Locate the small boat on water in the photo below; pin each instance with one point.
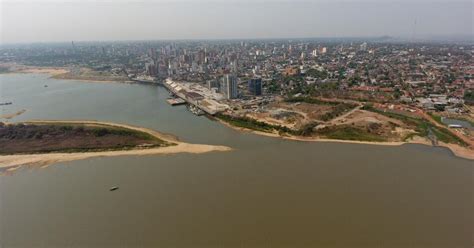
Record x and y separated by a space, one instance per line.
114 188
5 103
46 86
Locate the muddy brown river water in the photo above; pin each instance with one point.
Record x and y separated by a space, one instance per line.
268 192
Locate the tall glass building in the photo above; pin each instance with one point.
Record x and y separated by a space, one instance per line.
255 86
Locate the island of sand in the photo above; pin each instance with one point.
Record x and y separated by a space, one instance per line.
39 143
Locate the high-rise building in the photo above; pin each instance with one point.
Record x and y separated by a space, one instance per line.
234 66
152 54
201 57
213 84
229 86
255 86
151 69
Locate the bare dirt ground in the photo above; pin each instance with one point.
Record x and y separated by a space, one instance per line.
296 116
78 74
307 110
85 74
53 71
293 121
18 68
391 129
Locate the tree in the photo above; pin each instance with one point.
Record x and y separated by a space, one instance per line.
469 97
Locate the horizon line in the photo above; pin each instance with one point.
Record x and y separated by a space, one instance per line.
428 38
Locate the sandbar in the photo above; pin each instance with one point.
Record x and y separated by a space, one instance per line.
11 162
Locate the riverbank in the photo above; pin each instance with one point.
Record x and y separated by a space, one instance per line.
53 71
65 73
8 68
11 162
457 150
89 75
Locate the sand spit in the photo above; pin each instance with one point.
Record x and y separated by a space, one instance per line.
11 162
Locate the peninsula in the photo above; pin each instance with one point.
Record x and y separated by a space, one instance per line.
40 143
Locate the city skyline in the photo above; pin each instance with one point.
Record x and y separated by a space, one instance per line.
236 123
53 21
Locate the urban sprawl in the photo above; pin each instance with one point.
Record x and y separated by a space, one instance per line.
371 90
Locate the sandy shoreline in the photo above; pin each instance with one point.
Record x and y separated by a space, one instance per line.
457 150
72 78
19 68
11 162
55 73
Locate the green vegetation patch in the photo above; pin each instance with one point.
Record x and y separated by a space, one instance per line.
310 100
436 117
338 132
422 127
338 110
469 97
252 124
349 133
72 137
317 73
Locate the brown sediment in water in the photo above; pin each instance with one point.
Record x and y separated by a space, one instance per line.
11 116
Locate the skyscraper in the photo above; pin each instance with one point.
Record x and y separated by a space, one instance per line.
229 86
152 54
255 86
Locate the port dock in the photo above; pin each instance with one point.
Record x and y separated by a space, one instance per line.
196 95
175 101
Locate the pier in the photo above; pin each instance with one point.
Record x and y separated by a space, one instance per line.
175 101
196 95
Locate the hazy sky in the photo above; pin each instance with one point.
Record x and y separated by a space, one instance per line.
42 20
